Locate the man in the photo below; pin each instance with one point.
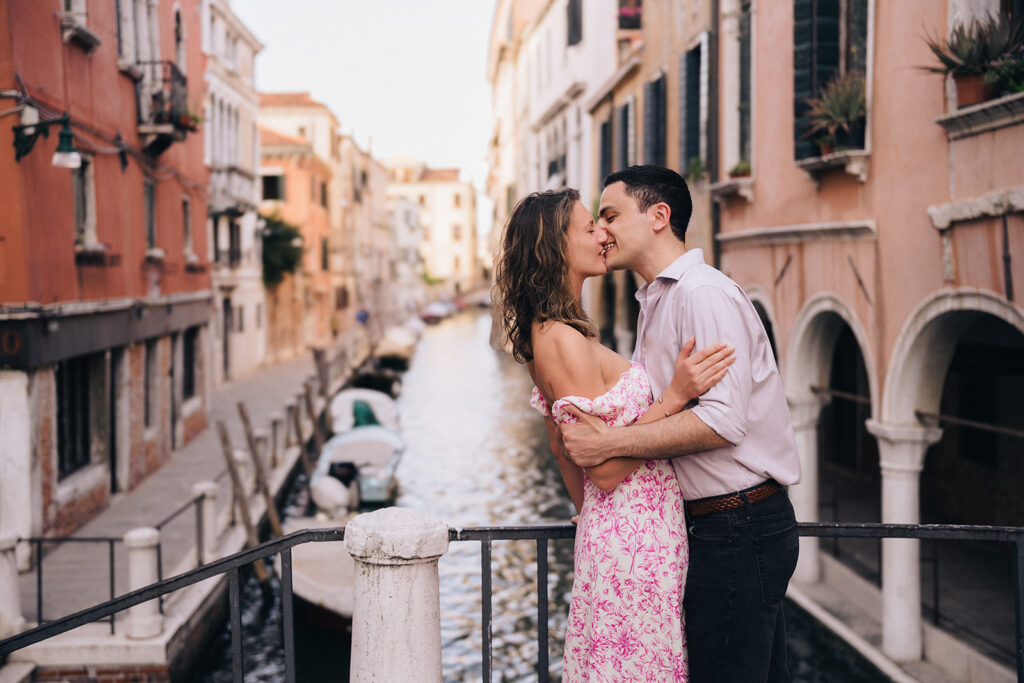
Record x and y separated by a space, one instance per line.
733 452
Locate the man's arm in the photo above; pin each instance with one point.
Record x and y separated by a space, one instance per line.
591 442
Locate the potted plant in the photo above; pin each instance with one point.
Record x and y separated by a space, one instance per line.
1005 74
840 111
694 169
826 144
740 170
968 52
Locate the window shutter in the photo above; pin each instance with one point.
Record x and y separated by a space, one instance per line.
662 99
815 61
631 130
654 122
606 149
575 21
690 82
622 137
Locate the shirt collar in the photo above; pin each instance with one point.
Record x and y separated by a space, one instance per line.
675 270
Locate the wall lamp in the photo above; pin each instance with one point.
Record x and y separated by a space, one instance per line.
66 155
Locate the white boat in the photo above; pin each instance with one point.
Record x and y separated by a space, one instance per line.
323 574
374 451
396 346
343 409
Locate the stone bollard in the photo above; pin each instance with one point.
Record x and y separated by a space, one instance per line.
11 621
246 470
289 424
211 534
396 620
144 620
278 438
262 437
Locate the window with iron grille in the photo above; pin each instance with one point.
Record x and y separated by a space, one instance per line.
234 243
575 12
186 223
273 187
150 380
73 438
324 254
745 67
189 359
690 109
654 122
829 39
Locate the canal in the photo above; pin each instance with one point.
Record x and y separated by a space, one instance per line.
478 455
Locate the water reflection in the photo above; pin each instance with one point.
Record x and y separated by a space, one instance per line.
477 456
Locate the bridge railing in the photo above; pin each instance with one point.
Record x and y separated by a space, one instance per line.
390 543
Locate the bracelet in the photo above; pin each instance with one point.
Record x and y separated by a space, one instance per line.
661 402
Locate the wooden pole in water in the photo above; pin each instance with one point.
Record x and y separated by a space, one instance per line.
297 423
251 539
262 482
318 437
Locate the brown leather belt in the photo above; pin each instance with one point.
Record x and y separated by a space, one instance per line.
732 501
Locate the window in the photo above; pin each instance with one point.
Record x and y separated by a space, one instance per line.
456 232
150 381
179 41
324 255
605 162
323 195
341 298
273 187
422 200
73 438
510 197
654 122
189 359
457 199
186 224
215 221
149 191
690 107
240 317
621 137
575 12
455 264
829 39
630 14
234 243
745 67
83 190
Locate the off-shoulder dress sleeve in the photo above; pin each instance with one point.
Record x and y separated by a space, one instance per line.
538 401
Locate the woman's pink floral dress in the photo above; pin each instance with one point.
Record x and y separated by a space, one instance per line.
631 555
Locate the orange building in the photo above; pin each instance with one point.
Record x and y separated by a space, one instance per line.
104 285
301 310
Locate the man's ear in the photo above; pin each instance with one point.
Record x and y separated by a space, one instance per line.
661 214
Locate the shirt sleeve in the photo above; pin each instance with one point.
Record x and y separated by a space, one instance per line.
712 315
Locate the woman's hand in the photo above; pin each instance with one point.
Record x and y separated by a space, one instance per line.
695 374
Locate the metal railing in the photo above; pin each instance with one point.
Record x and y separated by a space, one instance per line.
485 536
162 94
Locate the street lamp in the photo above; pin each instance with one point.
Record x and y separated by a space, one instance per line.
66 155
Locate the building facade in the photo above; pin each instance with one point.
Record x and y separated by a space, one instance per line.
448 214
407 273
301 308
104 283
231 152
884 270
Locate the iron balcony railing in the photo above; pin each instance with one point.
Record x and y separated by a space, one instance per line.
163 95
485 536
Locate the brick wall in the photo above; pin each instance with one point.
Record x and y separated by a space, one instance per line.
104 674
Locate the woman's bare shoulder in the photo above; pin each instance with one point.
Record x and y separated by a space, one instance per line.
565 361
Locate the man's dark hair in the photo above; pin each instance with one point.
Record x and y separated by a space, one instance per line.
649 185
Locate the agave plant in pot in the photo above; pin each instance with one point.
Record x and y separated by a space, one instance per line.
838 115
969 51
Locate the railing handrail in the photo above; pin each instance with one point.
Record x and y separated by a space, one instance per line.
190 503
485 534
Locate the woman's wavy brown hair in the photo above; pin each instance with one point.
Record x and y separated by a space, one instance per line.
531 275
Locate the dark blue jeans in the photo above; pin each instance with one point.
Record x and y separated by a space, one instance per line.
740 565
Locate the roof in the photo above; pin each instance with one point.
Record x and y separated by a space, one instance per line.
273 138
288 99
440 175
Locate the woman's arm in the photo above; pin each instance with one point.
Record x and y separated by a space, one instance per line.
572 474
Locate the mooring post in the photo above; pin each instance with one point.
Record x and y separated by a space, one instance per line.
396 620
144 620
278 430
211 534
11 620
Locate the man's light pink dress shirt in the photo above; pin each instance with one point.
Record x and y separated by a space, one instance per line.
748 407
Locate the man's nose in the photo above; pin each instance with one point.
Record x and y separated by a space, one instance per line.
602 234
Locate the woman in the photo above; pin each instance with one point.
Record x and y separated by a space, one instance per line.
631 554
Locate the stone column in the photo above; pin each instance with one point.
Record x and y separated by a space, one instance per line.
144 620
804 411
396 620
208 509
11 621
16 505
901 450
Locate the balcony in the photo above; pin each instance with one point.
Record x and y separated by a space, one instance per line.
162 97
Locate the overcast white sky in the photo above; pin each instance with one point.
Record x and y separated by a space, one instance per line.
410 75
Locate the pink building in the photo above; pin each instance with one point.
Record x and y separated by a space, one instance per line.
890 276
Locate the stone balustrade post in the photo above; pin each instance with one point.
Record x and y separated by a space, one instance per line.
144 620
804 411
262 437
278 438
901 450
290 438
11 620
396 621
208 511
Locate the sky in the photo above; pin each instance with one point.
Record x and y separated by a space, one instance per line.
404 77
